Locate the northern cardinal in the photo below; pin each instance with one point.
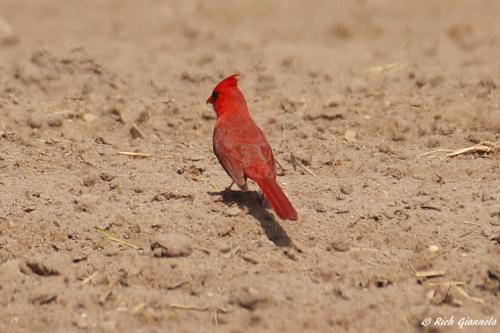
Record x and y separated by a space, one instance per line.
242 149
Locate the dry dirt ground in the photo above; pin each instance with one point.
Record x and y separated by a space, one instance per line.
351 95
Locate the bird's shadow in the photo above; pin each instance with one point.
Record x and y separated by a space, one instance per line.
253 202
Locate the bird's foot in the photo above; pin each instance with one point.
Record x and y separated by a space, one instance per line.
228 189
227 193
262 200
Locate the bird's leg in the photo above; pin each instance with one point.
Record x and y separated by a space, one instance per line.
262 200
227 192
227 189
245 188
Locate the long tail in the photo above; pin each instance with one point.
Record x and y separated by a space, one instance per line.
278 200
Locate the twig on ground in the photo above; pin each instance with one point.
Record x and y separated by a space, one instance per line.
484 147
467 296
89 278
197 308
430 273
114 238
435 152
134 154
295 161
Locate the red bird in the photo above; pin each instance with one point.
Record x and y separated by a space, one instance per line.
242 148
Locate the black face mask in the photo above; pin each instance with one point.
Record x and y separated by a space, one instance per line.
214 96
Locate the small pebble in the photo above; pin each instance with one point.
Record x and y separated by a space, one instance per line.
34 122
346 188
90 180
54 121
433 248
339 246
249 298
171 245
319 207
223 246
350 136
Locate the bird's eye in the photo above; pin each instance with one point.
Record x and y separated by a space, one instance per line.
214 96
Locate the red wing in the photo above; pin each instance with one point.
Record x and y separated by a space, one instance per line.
231 162
267 153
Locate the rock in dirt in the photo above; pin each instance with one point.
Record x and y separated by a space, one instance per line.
44 298
85 204
249 298
106 176
433 248
55 120
319 207
40 268
339 246
224 246
350 136
224 228
233 211
288 105
34 122
144 116
346 189
334 101
89 180
171 245
136 133
89 117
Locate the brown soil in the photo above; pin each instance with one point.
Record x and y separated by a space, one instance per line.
350 95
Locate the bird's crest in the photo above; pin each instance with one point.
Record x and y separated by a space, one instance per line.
231 81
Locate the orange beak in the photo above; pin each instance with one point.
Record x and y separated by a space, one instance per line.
209 100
